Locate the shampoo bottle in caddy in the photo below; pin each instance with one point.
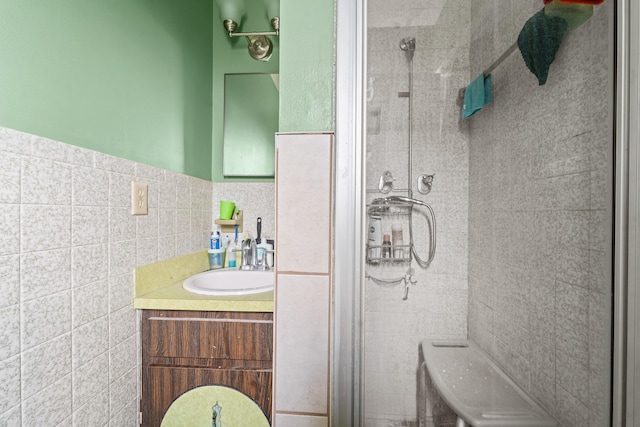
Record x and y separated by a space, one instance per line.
397 241
374 240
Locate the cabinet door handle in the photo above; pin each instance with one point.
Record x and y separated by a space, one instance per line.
216 420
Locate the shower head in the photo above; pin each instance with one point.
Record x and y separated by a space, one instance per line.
408 44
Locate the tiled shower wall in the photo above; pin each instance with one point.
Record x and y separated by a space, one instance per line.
437 305
68 246
540 195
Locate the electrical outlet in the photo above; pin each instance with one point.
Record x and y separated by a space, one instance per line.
139 199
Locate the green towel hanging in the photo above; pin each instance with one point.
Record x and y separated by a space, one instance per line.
539 41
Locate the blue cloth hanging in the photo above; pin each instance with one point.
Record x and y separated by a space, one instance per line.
477 95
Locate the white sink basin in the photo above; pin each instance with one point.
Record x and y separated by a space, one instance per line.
230 282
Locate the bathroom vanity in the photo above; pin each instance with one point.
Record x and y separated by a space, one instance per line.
182 350
202 353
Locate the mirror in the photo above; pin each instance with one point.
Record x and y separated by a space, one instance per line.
250 122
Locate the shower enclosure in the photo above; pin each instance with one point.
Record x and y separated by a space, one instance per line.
522 195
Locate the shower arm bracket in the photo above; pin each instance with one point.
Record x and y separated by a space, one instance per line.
386 182
425 182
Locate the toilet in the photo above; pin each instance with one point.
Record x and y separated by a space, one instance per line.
480 394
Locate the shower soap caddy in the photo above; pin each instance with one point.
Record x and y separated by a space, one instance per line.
398 209
383 253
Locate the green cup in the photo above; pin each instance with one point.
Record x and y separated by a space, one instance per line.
226 209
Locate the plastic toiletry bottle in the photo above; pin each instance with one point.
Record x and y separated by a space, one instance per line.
227 243
396 236
375 238
214 242
214 257
259 251
231 255
386 246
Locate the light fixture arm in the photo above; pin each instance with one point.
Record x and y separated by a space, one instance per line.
231 27
260 46
275 24
254 33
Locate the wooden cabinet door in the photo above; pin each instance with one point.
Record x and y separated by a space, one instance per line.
182 350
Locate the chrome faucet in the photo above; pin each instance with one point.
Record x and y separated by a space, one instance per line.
252 252
250 258
248 254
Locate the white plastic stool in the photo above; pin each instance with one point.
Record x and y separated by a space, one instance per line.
477 390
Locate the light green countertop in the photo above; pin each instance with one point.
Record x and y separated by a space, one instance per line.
158 286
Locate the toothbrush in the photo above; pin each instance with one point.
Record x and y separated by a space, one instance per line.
259 230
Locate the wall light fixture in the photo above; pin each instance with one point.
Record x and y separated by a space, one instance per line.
260 45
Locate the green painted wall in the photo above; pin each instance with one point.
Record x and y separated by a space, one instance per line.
144 79
130 78
230 56
307 66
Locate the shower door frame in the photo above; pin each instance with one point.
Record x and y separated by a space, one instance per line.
626 331
347 367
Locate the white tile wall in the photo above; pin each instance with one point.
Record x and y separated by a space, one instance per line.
95 412
302 359
10 384
287 420
303 299
68 246
255 199
304 202
437 304
55 400
10 283
540 214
